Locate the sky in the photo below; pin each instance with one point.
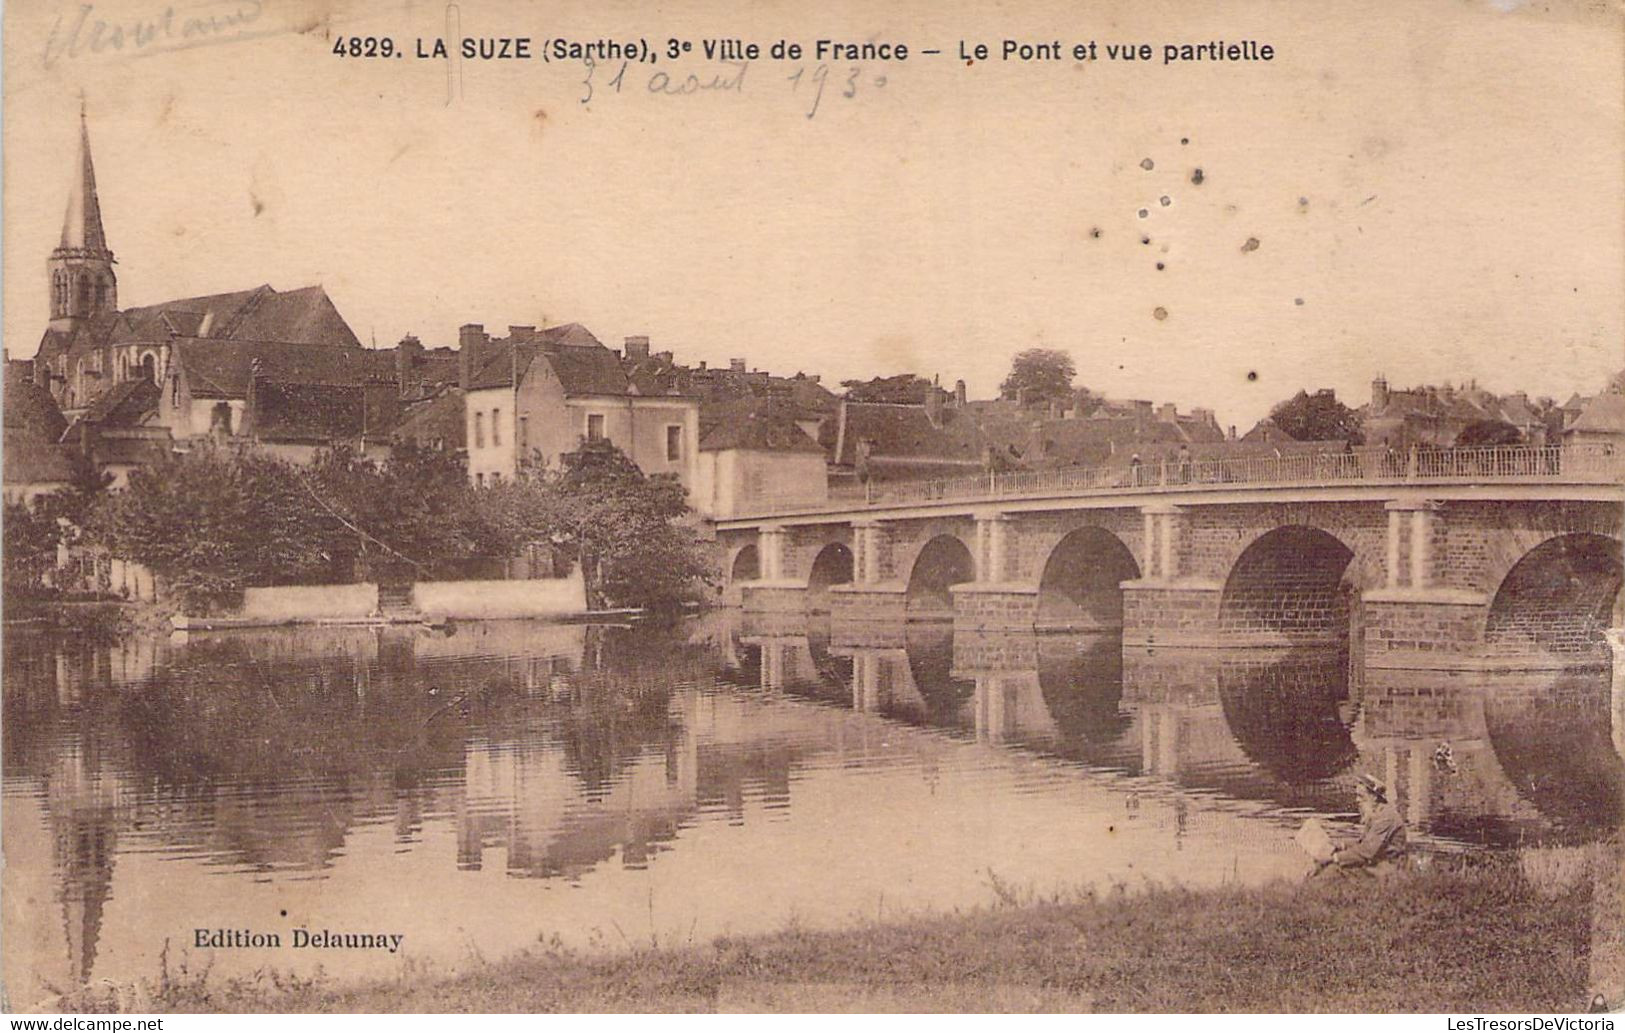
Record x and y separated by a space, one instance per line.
1434 187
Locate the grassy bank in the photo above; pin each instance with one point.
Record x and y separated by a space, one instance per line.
1485 938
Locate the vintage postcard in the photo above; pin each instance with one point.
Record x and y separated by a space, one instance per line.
807 507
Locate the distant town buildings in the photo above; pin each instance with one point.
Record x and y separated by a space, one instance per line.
284 371
1438 416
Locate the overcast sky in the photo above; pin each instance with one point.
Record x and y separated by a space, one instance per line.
1435 189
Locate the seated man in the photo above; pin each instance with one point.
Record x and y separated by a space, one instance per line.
1381 846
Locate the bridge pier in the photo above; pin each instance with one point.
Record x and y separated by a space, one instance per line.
994 602
1413 621
868 597
772 591
1164 608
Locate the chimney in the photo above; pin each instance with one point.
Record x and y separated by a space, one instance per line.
702 364
1168 412
522 334
933 405
470 339
407 354
959 392
736 365
1232 435
637 348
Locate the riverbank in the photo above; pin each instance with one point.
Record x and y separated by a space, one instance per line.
1494 936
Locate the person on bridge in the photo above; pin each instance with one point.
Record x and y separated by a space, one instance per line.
1380 849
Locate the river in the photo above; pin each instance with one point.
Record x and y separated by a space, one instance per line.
483 788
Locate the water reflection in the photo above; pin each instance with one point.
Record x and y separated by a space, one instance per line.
394 772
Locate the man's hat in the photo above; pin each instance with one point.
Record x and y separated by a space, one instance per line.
1373 785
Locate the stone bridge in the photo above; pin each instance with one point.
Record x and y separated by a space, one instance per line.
1462 558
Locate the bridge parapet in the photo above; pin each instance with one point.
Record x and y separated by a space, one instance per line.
1597 463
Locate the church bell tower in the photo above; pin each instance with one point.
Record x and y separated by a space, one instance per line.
83 284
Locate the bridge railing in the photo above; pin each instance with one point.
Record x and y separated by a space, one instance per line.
1591 463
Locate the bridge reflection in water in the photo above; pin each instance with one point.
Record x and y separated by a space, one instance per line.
510 780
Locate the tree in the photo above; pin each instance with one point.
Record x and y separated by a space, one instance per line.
1040 375
1317 417
619 523
403 514
214 521
31 534
1485 433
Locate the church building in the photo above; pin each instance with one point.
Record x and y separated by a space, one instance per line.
282 368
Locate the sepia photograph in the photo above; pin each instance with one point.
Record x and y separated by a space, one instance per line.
802 508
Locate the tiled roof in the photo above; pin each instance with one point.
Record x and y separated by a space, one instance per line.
1604 414
906 431
123 405
759 432
583 366
308 412
438 417
220 369
131 451
31 414
571 335
499 362
37 462
305 316
588 371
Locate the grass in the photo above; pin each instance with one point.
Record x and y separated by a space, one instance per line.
1482 937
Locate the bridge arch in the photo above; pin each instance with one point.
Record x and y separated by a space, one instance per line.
1559 597
943 562
830 567
746 565
1291 585
1081 585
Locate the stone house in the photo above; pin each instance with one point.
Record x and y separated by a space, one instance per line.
759 457
535 395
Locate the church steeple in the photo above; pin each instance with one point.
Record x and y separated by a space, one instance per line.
83 283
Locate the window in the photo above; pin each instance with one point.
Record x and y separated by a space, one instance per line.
175 390
674 443
479 430
479 480
595 427
496 426
524 432
496 478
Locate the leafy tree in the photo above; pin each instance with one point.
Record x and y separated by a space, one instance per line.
214 521
1483 433
1040 374
620 524
31 534
1318 417
403 514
